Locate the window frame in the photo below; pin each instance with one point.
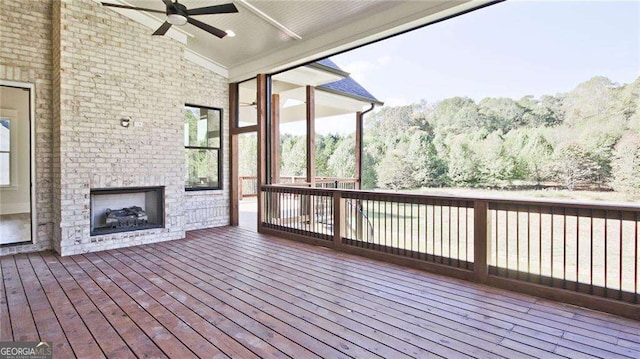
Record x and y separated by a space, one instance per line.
10 116
219 150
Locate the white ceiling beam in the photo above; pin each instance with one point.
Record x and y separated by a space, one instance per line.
264 16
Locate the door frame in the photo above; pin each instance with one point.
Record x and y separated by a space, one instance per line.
32 152
234 132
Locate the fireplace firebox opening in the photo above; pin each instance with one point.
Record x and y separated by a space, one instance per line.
126 209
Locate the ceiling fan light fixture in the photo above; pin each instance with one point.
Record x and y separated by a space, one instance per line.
176 19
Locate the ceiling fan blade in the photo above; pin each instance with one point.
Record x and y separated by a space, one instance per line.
215 9
132 7
208 28
167 2
163 29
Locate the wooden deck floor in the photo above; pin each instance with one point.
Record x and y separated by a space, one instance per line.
228 292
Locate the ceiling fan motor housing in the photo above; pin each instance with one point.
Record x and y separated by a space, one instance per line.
177 14
177 9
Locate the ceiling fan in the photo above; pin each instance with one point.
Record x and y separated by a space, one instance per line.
178 14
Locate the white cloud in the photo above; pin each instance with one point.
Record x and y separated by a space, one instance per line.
360 69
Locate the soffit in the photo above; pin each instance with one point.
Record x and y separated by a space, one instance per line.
324 27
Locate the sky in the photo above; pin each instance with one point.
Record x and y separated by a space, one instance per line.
510 49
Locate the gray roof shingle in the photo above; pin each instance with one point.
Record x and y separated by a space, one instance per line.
347 86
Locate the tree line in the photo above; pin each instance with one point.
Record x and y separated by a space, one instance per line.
586 138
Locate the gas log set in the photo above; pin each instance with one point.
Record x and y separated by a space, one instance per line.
126 217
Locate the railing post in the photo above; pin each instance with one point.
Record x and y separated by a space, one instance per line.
339 222
481 245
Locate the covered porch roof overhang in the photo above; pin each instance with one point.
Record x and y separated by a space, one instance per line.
336 93
272 36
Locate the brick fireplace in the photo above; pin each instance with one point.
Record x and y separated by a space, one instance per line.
92 67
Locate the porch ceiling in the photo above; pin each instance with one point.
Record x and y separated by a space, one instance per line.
308 29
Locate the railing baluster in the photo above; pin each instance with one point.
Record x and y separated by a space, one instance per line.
433 229
458 256
553 229
419 235
606 253
441 233
540 244
577 249
506 258
404 228
564 251
498 249
620 255
635 259
379 224
529 243
391 225
449 232
591 250
466 234
518 240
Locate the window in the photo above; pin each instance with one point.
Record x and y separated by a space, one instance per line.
5 152
203 147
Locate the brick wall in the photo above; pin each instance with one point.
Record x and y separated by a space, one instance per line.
105 67
25 56
205 88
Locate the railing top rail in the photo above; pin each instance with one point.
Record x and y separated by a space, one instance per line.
414 197
330 180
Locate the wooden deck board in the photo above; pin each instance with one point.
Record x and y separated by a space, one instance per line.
233 313
23 325
307 283
109 341
543 322
6 333
229 292
44 315
316 314
81 339
136 339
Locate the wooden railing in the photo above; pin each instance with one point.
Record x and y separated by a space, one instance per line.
248 185
581 253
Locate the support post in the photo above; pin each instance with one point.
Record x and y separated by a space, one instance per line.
261 107
482 244
275 152
358 174
311 136
306 203
275 138
234 184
